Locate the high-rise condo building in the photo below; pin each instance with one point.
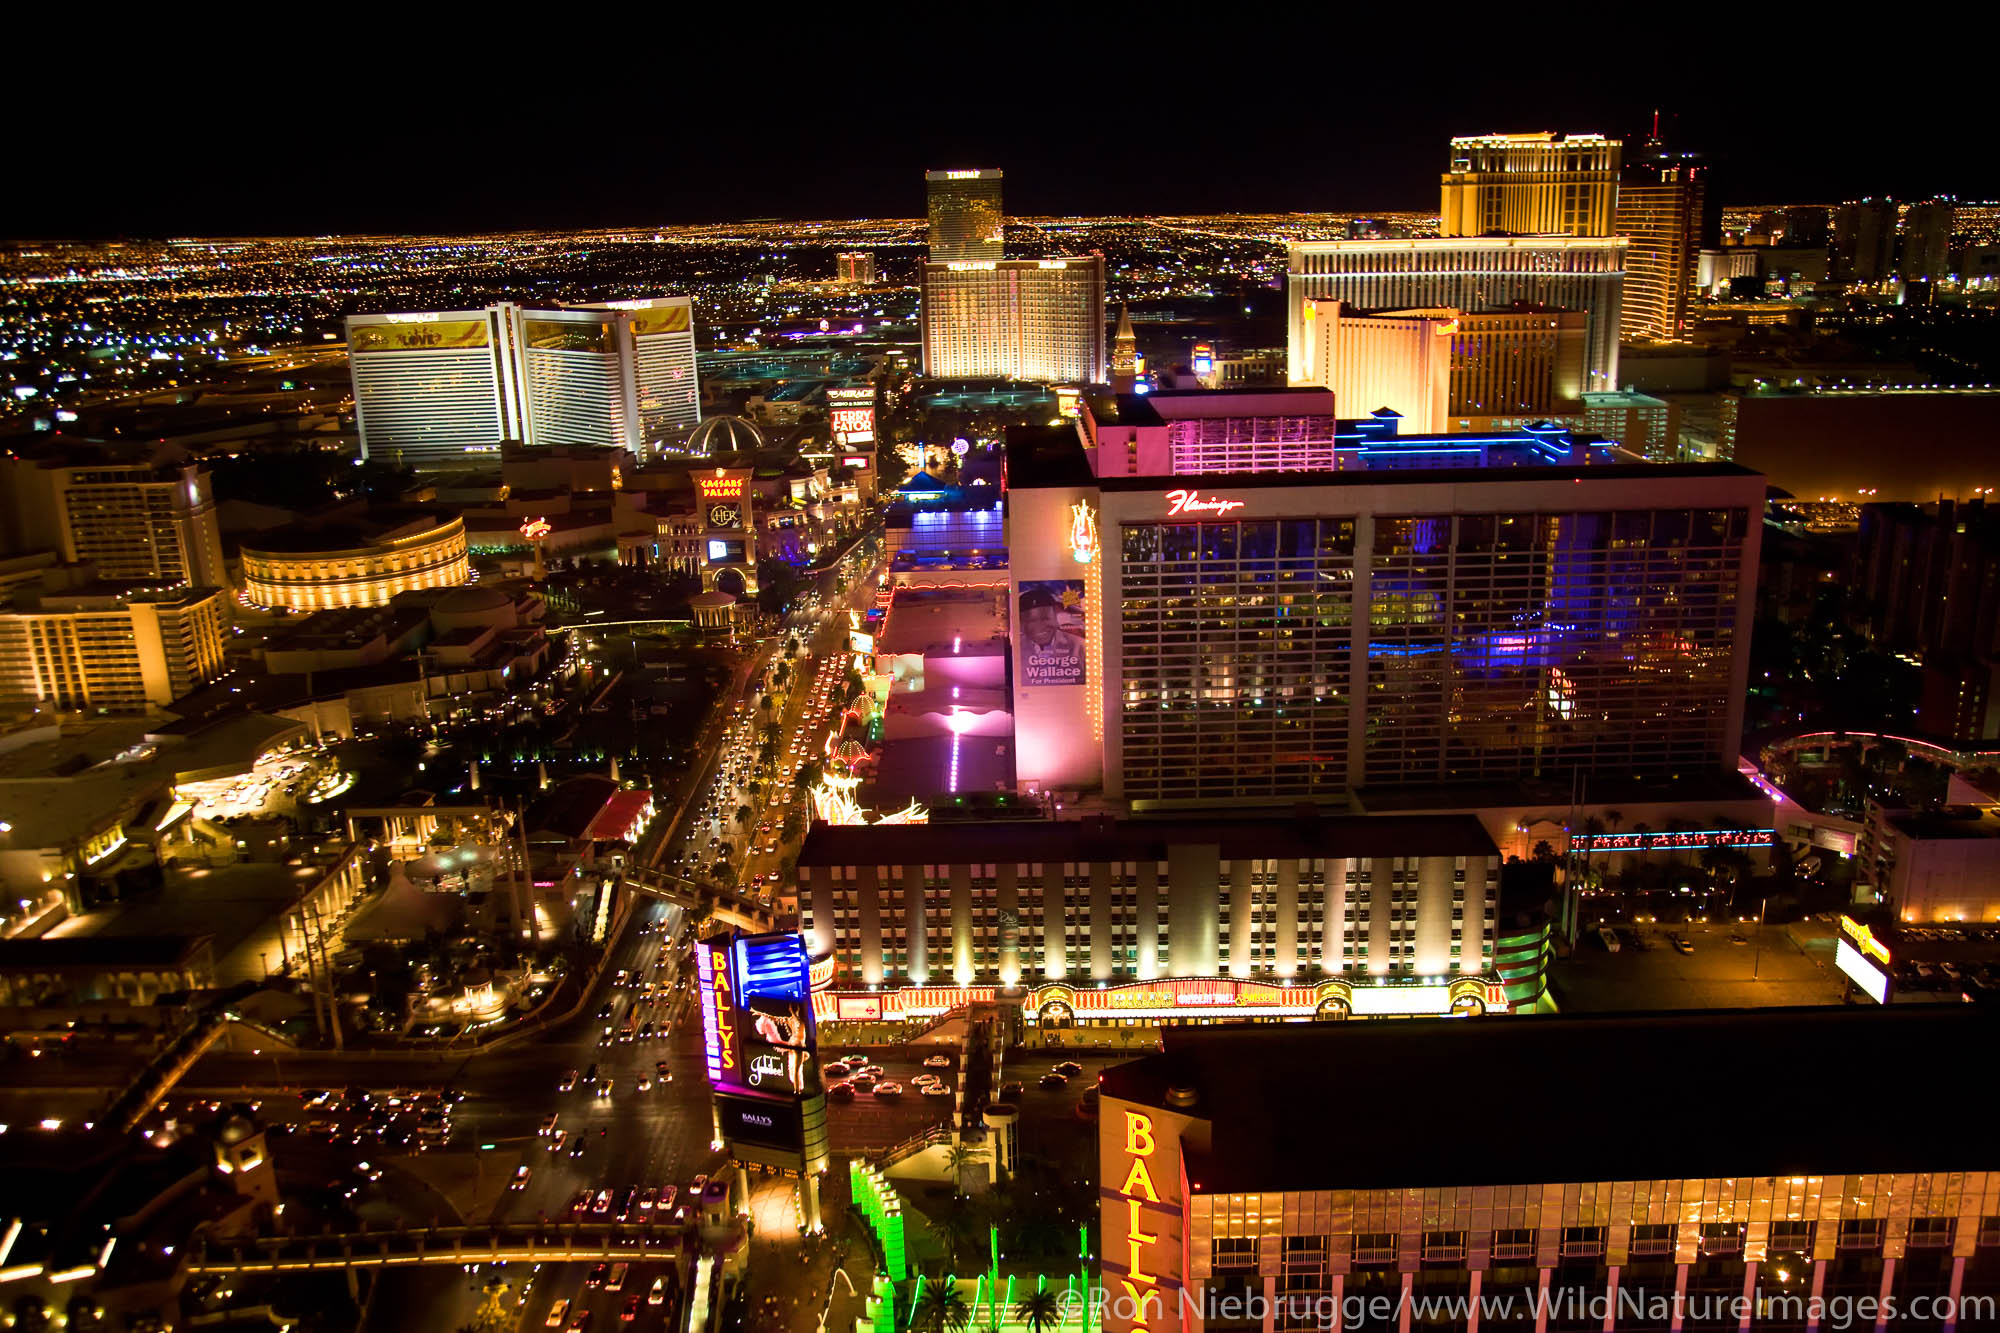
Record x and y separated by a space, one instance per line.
1477 275
856 267
1530 185
1927 229
136 521
1023 319
434 387
1447 370
967 223
110 650
1864 241
1661 221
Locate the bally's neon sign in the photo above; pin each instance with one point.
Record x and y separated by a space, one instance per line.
725 1021
1141 1287
1190 502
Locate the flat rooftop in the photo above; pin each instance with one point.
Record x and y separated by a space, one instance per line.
922 619
1952 823
1106 839
1417 1103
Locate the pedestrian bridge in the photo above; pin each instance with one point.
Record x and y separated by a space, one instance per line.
544 1242
728 908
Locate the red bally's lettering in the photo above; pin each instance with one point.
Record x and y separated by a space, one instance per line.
1190 502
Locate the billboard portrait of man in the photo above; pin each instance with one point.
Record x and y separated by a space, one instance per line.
1050 632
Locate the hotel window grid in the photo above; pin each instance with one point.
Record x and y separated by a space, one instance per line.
1506 645
1246 626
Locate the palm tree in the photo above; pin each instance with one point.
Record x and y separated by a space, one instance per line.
956 1160
942 1309
744 814
1041 1310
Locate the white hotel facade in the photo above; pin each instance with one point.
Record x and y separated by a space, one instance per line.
440 389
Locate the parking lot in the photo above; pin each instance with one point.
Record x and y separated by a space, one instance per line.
1769 967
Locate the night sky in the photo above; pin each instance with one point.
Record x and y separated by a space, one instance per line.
447 138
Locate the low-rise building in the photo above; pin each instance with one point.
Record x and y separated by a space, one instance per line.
1398 910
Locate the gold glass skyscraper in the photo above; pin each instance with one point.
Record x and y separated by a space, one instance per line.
967 223
1661 221
1541 184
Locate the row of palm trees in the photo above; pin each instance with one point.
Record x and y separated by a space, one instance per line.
942 1309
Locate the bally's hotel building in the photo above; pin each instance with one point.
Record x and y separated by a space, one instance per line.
438 389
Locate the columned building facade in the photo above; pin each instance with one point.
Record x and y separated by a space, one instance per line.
1476 274
1376 900
1530 184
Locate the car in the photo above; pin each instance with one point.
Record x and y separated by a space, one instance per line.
861 1083
548 1125
1069 1068
1052 1080
660 1068
579 1322
617 1279
590 1074
873 1071
521 1174
595 1278
700 1180
888 1088
658 1294
576 1146
835 1068
631 1310
937 1062
604 1088
840 1092
568 1082
581 1203
558 1140
1009 1091
644 1084
1681 943
647 1198
605 1012
556 1313
1086 1105
937 1090
602 1203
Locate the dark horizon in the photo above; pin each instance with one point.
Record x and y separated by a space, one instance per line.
381 151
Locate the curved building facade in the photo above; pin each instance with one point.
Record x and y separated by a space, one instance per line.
427 553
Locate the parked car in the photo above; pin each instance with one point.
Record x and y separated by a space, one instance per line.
1052 1080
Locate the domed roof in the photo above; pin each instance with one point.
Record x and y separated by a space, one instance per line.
236 1129
467 600
725 435
711 601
